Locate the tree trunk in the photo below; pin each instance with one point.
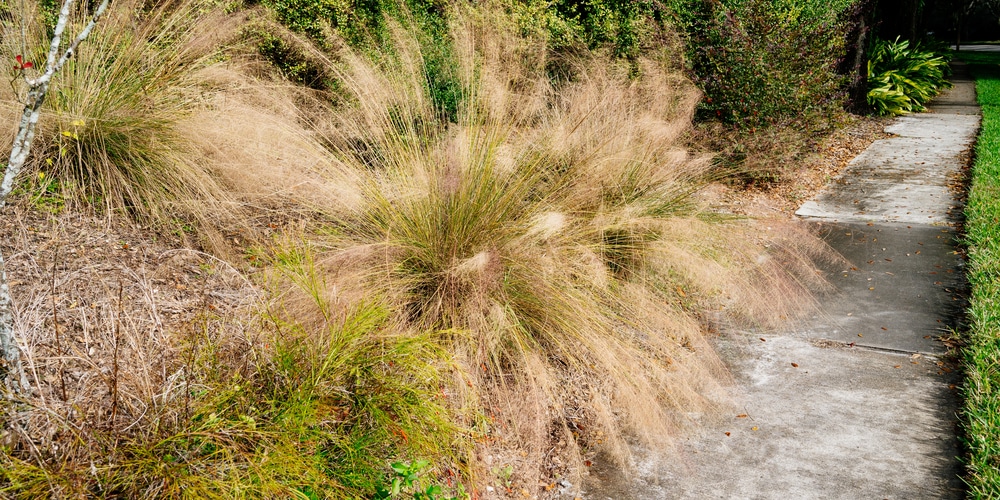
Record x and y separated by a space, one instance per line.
855 65
899 18
914 29
958 31
11 372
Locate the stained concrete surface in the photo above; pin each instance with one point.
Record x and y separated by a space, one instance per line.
901 287
859 400
846 423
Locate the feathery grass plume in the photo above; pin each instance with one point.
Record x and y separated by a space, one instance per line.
262 148
550 233
110 130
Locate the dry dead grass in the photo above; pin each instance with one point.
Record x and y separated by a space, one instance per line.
107 317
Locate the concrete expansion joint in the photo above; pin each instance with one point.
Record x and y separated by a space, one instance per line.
837 344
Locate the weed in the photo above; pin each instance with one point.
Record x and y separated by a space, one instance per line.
407 481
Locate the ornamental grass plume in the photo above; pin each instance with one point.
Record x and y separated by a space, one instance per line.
550 233
163 118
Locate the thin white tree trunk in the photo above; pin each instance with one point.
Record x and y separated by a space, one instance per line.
11 370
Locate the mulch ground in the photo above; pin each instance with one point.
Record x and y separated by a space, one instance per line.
829 158
94 297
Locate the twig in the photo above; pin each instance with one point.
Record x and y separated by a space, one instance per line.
114 357
55 326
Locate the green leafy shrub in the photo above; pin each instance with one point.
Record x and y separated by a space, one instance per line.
366 26
625 28
407 482
621 24
760 61
902 78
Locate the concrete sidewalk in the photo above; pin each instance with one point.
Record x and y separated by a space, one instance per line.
857 401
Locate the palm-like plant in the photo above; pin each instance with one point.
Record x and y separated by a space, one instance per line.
902 78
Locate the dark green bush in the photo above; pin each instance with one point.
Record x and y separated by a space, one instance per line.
623 26
758 61
762 61
292 63
365 26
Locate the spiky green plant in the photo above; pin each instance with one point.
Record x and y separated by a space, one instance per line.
902 78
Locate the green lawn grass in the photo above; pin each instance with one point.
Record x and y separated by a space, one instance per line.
981 413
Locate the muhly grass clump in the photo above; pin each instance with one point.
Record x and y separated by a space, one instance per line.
110 130
551 236
163 118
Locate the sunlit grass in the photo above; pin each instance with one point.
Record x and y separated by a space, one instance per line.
981 410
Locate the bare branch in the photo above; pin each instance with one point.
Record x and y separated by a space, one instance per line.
53 65
11 371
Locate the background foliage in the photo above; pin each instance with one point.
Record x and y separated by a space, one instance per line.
760 61
757 61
